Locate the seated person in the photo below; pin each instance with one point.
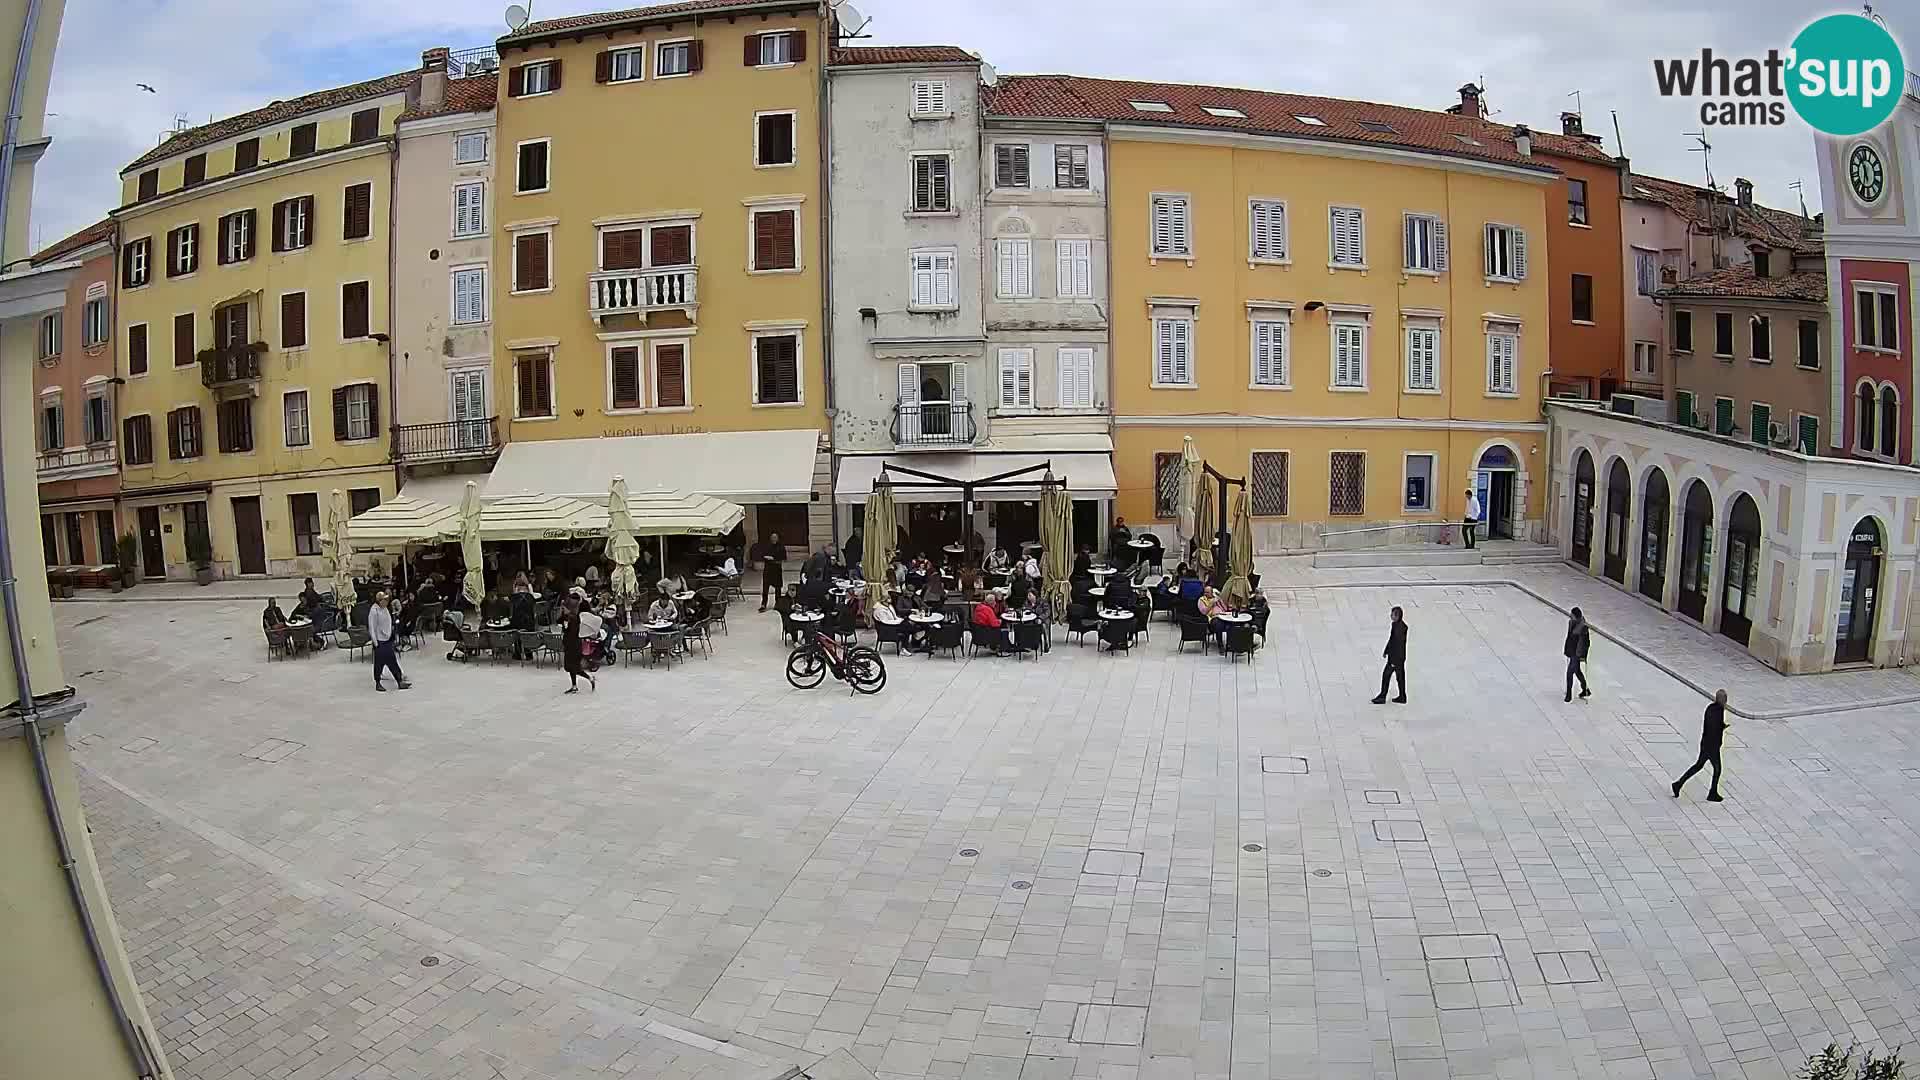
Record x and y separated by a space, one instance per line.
815 595
663 610
310 598
1082 566
429 593
935 594
273 618
729 567
1121 597
1082 591
1211 606
1018 587
696 609
1190 587
999 562
408 615
986 620
674 583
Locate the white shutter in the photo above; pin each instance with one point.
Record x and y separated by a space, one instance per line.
1076 378
909 395
1349 355
1345 229
1502 359
1063 268
943 279
1163 350
1016 378
1073 268
1423 355
1409 241
922 280
1440 244
1016 268
1003 261
1180 362
1519 254
1270 353
1267 230
1182 228
1162 226
957 383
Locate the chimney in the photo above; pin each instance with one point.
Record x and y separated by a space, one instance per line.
1743 189
433 78
1470 102
1570 125
1522 140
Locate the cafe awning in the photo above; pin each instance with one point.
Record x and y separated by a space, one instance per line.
738 466
1088 475
405 521
402 521
541 517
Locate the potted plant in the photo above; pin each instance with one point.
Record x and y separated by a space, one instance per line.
129 552
200 554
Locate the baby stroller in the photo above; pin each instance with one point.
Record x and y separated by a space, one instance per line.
466 643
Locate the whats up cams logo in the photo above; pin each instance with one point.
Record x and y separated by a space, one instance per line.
1843 75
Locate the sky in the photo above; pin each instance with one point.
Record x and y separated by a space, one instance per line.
213 58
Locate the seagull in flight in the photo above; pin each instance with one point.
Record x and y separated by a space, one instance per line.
147 88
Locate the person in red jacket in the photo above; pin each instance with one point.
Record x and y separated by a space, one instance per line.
986 614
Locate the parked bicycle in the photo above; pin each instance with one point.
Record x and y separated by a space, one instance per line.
856 665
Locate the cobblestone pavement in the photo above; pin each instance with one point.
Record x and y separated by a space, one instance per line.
1143 867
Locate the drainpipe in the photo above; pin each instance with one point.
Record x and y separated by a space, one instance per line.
826 269
393 376
144 1064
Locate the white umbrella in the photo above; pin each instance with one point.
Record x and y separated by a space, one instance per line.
334 545
1189 495
474 588
622 548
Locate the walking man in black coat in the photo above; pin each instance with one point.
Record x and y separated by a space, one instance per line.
1712 729
1576 653
1396 654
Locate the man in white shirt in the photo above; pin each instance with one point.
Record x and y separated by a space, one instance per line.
1468 527
1032 566
385 656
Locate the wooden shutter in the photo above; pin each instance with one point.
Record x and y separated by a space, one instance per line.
182 340
280 226
303 140
1440 244
517 80
194 171
779 368
523 385
773 240
149 184
672 245
353 310
1519 254
530 261
250 218
173 435
625 376
137 349
553 74
798 38
358 212
293 320
365 126
603 67
246 155
669 376
696 55
126 265
752 52
340 414
622 249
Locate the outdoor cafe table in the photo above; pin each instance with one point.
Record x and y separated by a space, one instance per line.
927 618
1238 618
1020 617
709 574
660 626
713 549
954 549
1116 615
683 597
1098 591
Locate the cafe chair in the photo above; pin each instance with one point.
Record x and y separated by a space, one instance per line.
949 636
699 633
1028 638
630 644
279 643
895 632
1116 634
1239 642
358 640
1080 623
1192 628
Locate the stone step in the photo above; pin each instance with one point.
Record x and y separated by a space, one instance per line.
1399 555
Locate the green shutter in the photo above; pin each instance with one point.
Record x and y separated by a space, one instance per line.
1722 416
1809 435
1762 420
1683 407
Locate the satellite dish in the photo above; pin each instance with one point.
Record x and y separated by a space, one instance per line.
516 18
851 21
987 75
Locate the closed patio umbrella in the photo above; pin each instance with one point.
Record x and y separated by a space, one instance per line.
1204 527
1240 550
1056 535
1188 477
622 547
877 543
474 587
334 545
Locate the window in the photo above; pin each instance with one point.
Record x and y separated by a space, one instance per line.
1646 272
1166 485
676 58
356 212
1503 361
1418 497
1015 263
193 171
1076 378
1016 378
1722 415
1172 227
356 412
136 440
628 379
623 249
183 340
1644 361
1346 236
1889 421
1271 365
776 369
1173 352
671 245
531 175
775 239
1070 167
136 263
1267 483
1760 423
137 349
535 78
183 250
1683 408
95 424
773 138
1311 121
1267 230
1682 331
1506 253
1378 128
230 324
234 420
624 377
932 184
533 385
933 279
669 375
294 418
53 423
1423 358
470 295
1346 483
293 320
470 148
293 223
1877 318
781 47
183 433
470 209
361 500
365 125
1863 417
1583 298
1073 268
1350 355
236 237
1426 243
1010 165
1224 112
1809 344
50 329
1762 331
1150 106
303 140
304 509
1723 333
531 261
1808 441
929 97
622 65
246 155
1576 201
354 311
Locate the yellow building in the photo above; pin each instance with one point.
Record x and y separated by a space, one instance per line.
1345 303
253 327
659 252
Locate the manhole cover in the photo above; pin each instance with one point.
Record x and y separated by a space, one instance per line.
429 961
968 853
1323 873
1251 847
1023 885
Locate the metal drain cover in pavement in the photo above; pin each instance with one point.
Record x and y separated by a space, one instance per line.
1023 885
968 853
1323 873
429 961
1251 847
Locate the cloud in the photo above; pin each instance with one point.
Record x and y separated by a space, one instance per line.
217 57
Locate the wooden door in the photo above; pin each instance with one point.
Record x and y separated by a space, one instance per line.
250 542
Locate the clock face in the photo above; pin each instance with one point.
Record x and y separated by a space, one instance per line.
1866 175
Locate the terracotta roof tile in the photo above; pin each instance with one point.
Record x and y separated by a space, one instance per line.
92 234
1265 112
475 93
1570 146
1756 222
1803 286
594 20
274 113
902 54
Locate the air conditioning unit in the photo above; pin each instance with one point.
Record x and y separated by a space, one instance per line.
1640 405
1778 435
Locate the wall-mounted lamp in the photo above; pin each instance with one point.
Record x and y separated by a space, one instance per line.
1314 305
869 313
381 338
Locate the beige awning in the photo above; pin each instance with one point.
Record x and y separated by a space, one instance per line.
1088 476
541 517
738 466
402 521
677 513
406 521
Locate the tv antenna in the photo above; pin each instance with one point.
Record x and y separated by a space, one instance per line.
1575 95
518 15
845 15
1705 150
1801 188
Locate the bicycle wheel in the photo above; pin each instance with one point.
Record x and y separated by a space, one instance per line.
865 670
806 668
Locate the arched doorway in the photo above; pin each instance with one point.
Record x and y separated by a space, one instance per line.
1583 508
1737 599
1653 537
1493 481
1618 492
1859 592
1696 551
